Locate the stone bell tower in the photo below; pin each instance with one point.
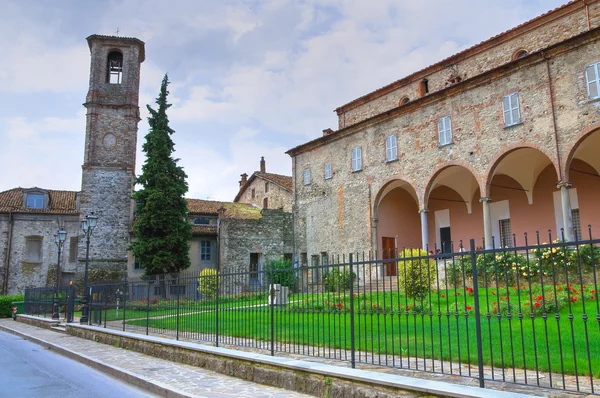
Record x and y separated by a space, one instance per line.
108 170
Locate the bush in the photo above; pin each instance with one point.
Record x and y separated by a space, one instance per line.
281 272
338 281
416 276
6 304
208 283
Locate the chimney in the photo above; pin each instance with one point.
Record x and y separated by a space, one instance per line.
244 179
263 167
327 132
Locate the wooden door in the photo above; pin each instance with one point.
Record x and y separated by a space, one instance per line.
388 248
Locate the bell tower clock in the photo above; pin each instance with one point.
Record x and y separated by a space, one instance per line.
108 170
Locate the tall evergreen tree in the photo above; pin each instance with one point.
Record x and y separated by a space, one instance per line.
161 231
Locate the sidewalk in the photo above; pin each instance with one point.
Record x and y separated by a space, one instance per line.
158 376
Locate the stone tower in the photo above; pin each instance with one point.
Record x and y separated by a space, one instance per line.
108 169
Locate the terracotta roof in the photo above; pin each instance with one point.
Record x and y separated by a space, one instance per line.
449 60
199 230
60 202
239 211
284 182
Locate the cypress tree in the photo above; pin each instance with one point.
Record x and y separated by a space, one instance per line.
161 231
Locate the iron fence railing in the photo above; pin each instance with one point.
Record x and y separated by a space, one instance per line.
527 314
40 301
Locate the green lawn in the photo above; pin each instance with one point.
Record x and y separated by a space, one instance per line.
384 326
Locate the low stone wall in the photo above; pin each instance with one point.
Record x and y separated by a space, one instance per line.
272 371
45 323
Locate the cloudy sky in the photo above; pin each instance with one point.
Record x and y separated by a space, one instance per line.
249 78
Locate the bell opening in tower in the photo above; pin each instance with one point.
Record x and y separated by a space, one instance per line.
115 68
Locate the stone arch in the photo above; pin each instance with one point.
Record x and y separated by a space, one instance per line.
465 189
536 168
518 54
590 133
393 183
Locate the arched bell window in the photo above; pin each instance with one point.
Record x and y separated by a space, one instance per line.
114 70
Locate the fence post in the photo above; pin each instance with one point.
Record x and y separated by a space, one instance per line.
272 294
352 342
477 314
148 307
217 275
177 316
125 294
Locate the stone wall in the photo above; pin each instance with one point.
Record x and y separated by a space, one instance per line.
23 273
551 29
270 236
336 215
278 197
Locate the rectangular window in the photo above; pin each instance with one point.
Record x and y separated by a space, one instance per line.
356 158
177 290
253 193
505 233
306 176
445 131
314 259
576 224
327 171
205 252
137 264
253 269
35 201
265 203
157 290
73 243
510 108
33 249
391 148
592 78
266 187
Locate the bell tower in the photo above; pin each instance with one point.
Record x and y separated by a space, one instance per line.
108 170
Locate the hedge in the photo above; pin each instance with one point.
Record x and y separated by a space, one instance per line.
6 304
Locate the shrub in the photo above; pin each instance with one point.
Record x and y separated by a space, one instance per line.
6 304
338 281
589 255
281 272
416 276
208 283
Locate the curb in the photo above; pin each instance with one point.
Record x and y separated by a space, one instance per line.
114 371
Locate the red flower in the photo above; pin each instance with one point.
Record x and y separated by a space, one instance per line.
458 293
573 299
584 286
540 298
493 293
443 296
501 298
537 304
469 308
495 302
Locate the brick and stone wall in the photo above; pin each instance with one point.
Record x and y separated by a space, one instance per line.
336 215
551 29
278 197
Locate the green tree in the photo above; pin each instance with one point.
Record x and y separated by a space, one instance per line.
161 231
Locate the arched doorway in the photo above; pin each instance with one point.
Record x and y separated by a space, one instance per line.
398 222
583 175
523 195
454 209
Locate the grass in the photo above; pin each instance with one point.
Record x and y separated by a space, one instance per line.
441 326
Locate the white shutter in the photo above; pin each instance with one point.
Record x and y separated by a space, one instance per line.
441 131
516 113
591 77
327 171
359 158
391 148
506 110
444 130
448 123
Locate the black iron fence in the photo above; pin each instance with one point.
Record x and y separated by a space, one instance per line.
40 301
527 314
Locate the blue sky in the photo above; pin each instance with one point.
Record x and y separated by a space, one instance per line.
248 78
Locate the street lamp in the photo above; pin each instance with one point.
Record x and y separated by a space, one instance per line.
59 239
87 226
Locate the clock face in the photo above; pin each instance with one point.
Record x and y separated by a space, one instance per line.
109 141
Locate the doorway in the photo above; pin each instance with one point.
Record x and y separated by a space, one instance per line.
388 247
446 239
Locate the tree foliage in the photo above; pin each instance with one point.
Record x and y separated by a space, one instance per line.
161 231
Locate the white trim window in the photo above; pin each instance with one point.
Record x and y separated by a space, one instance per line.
391 148
356 158
306 176
510 108
592 80
327 171
445 131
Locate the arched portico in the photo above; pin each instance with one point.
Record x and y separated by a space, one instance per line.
397 220
522 196
582 180
452 197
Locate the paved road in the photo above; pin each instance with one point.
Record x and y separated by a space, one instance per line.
27 370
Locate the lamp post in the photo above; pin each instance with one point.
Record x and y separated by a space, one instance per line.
59 239
87 226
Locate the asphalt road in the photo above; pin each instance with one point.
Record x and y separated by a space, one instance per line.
28 370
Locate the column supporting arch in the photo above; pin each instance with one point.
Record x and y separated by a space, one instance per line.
487 222
565 203
424 229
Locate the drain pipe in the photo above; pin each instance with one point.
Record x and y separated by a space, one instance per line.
560 170
8 250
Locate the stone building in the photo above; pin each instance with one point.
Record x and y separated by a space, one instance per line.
499 139
266 190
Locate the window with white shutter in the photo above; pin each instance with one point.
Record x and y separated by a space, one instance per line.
592 79
391 148
445 131
510 108
327 171
356 158
306 176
